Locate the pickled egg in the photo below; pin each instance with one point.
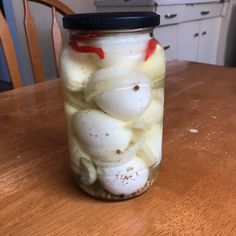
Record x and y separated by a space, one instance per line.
125 103
153 142
99 131
116 157
126 92
124 179
125 49
154 112
76 69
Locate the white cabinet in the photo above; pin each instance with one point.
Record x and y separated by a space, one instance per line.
209 40
198 40
171 14
168 39
188 37
123 5
191 31
202 11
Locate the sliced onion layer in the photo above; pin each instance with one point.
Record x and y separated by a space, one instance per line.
113 78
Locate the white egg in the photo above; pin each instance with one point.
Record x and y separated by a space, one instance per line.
122 49
116 71
98 131
117 157
153 144
126 92
154 112
76 69
124 179
125 103
155 66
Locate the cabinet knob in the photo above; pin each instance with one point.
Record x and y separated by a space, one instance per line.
166 47
170 16
155 6
204 13
196 35
204 33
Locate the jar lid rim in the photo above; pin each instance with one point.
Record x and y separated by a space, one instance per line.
111 20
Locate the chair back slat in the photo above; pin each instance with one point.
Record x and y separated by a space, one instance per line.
9 52
33 44
56 38
32 41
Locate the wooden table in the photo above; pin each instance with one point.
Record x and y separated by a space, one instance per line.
196 190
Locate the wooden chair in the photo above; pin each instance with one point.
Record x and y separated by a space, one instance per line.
32 41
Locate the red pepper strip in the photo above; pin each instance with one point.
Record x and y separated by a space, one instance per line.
152 43
87 49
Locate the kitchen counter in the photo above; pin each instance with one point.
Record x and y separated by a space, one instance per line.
195 193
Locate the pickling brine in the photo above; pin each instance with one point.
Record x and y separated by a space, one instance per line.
113 84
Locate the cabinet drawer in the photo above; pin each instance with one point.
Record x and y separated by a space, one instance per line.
170 14
179 13
201 11
168 38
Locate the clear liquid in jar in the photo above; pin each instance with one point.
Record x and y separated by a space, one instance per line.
114 109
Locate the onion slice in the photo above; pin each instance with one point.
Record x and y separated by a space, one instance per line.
150 160
114 81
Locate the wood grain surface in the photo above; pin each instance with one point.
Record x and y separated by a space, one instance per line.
195 193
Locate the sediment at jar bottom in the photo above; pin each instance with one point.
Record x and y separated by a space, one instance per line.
98 191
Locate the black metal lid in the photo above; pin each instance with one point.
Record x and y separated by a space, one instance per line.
111 20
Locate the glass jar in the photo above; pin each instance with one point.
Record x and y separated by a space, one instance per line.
112 72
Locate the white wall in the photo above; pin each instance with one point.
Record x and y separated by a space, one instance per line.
42 16
80 5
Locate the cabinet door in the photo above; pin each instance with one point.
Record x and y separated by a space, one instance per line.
188 37
208 41
167 36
